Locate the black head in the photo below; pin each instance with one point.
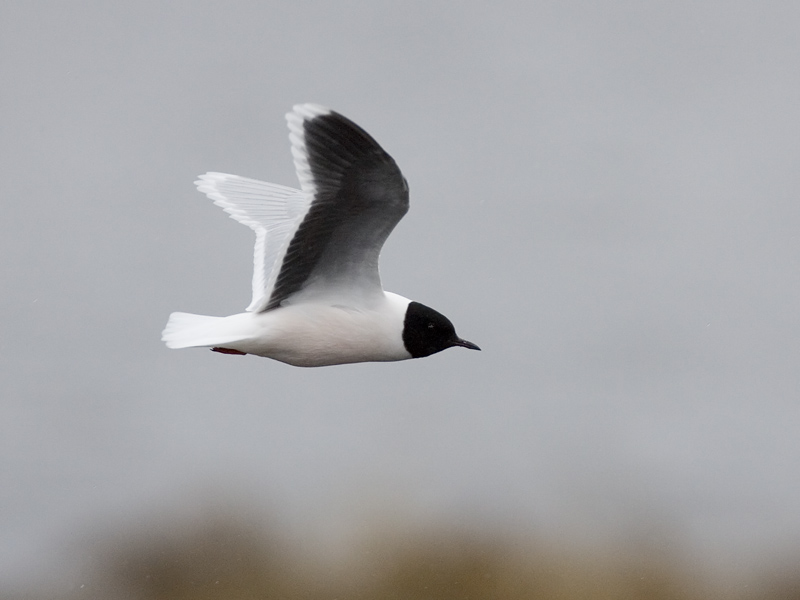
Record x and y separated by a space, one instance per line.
427 332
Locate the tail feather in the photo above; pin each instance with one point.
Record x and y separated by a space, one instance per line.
185 330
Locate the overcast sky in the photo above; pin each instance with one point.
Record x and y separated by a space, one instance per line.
604 197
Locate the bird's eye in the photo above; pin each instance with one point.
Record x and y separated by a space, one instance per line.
431 325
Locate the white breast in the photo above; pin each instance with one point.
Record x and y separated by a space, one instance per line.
314 334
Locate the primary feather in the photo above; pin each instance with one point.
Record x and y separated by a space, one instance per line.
272 211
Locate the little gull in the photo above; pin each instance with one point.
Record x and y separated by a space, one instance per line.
317 294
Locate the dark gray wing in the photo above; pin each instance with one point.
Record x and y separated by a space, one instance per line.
358 196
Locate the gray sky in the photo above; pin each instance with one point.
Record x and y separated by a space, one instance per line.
604 198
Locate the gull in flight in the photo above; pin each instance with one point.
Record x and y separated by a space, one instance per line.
317 293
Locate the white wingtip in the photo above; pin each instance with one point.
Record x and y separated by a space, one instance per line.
301 113
308 111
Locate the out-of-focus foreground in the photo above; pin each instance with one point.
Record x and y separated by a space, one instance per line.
228 558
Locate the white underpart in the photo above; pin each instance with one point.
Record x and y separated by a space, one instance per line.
305 334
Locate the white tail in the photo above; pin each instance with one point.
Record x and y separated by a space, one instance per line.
185 330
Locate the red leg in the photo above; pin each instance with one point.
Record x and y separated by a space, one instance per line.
228 351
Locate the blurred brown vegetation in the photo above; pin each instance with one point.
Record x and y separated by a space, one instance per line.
226 559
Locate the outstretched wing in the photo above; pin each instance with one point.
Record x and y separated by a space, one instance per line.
273 211
357 196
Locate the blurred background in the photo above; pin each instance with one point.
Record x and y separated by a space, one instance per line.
604 198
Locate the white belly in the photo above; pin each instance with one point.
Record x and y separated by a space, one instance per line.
315 335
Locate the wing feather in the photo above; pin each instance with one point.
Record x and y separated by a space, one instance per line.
272 211
358 195
328 235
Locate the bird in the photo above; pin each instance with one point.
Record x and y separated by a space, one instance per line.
317 293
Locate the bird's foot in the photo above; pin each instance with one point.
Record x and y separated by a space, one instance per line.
228 351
